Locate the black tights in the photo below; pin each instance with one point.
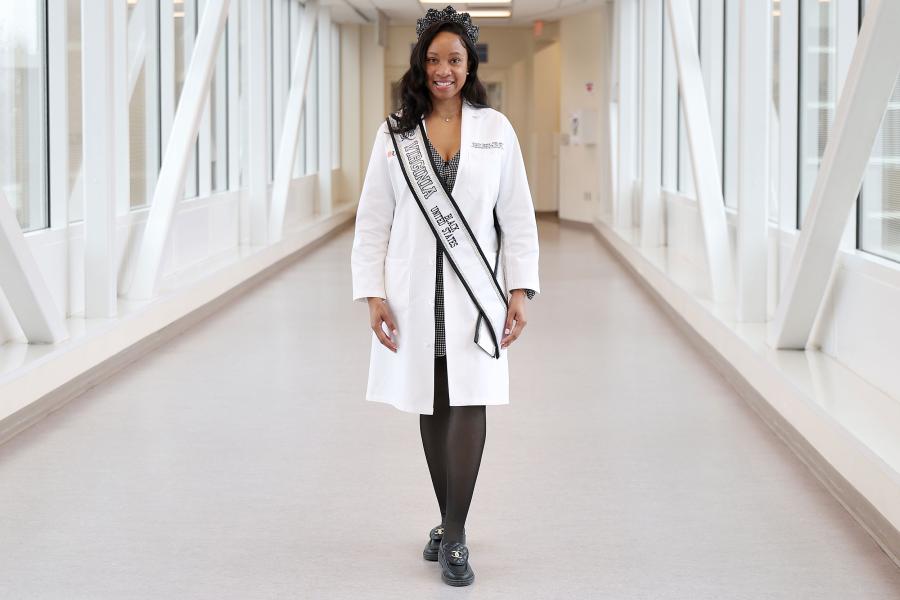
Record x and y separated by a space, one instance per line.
453 438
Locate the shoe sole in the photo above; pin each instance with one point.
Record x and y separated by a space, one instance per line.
458 582
429 556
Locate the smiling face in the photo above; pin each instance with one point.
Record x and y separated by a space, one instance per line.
446 63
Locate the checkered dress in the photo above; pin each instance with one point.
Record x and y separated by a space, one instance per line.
446 170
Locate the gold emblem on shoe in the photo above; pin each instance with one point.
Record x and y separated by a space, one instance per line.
456 554
439 531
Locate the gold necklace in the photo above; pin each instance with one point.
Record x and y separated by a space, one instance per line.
447 119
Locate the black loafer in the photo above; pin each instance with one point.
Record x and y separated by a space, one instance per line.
434 542
454 560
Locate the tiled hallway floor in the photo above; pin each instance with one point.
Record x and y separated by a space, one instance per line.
241 461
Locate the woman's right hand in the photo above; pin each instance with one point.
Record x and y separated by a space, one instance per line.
379 313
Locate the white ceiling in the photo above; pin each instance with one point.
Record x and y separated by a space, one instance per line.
524 12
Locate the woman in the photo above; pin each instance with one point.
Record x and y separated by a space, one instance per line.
445 253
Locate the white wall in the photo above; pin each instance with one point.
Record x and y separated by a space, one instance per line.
583 169
543 159
372 91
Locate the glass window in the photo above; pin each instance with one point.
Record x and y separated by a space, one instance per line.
296 23
669 144
336 97
143 109
818 83
218 104
242 93
76 202
730 86
23 111
685 183
312 110
775 115
185 15
879 227
137 133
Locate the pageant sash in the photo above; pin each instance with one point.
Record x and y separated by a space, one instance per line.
452 231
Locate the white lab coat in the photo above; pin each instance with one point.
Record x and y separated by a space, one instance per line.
393 257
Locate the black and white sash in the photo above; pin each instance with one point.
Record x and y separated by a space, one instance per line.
452 231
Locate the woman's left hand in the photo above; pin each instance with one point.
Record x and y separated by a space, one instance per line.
515 318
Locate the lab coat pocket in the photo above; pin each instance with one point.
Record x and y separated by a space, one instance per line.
396 282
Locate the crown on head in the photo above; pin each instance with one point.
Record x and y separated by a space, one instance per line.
449 14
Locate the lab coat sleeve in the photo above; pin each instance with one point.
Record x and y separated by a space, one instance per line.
374 217
515 212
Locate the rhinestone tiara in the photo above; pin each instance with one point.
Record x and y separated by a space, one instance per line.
450 15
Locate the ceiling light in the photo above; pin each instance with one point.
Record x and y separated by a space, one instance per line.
486 13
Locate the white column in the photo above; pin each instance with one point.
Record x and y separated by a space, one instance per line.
178 151
707 182
651 123
324 177
860 109
754 105
99 160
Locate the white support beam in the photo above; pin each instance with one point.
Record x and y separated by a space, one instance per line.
254 209
178 151
628 116
651 123
754 102
860 110
99 164
324 176
24 286
287 146
705 169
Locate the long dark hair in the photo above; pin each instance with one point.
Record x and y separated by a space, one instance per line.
415 99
